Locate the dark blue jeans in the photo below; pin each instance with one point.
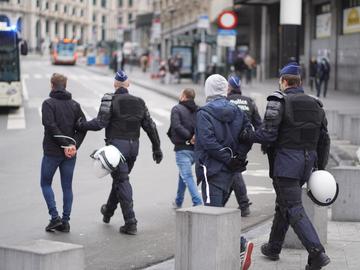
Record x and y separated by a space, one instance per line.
49 166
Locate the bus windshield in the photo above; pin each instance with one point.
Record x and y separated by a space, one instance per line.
66 49
9 57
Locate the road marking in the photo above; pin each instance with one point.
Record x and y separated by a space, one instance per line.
157 122
256 190
16 119
259 173
161 112
24 90
38 76
26 76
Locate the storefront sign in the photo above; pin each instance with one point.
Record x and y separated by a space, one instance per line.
351 23
323 25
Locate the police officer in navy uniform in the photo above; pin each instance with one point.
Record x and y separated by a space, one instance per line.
247 105
122 115
295 131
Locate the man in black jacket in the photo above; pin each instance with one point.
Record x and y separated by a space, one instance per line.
247 105
61 141
122 115
182 129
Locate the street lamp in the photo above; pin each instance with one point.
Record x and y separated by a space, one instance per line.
171 11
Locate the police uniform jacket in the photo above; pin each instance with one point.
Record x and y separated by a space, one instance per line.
295 129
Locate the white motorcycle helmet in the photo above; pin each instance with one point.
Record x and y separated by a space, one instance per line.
322 188
105 160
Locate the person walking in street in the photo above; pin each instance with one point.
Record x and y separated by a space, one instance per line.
122 115
248 106
312 73
181 133
294 129
219 155
60 144
322 76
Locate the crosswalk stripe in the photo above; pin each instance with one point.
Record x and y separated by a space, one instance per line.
24 90
38 76
157 122
161 112
25 76
16 119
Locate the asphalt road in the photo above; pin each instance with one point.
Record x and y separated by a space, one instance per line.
23 212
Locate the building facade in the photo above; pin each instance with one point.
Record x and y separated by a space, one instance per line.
89 21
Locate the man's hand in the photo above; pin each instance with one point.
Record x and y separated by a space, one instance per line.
157 156
236 164
70 151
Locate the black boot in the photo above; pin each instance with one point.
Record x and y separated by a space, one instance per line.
317 262
64 227
129 228
54 223
270 254
105 213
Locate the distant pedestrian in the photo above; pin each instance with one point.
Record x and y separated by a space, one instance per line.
122 115
181 132
294 128
248 106
60 144
322 76
312 73
219 154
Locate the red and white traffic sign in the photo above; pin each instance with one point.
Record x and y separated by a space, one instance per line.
227 20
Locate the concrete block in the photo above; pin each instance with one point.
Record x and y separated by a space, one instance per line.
344 126
318 215
332 117
347 205
42 255
355 130
207 238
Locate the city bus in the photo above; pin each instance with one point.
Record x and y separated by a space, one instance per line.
63 52
10 81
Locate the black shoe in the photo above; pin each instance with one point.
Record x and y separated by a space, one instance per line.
130 228
318 262
245 211
54 223
64 227
106 215
266 250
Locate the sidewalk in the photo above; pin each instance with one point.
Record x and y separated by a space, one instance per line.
343 248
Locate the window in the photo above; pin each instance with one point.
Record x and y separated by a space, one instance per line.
103 19
120 3
94 18
94 2
323 20
351 16
65 9
351 3
120 20
82 13
47 27
56 7
56 28
46 5
37 3
130 3
129 17
103 3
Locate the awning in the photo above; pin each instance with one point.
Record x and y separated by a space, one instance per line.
255 2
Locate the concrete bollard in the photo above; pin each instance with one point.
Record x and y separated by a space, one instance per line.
318 216
42 255
207 238
332 117
355 130
347 205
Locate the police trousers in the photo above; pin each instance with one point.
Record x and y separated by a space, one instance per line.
121 190
289 211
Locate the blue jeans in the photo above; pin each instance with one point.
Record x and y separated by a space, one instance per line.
49 166
184 161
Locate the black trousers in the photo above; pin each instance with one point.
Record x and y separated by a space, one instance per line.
289 211
121 190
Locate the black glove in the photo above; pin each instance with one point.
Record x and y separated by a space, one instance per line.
78 123
246 136
237 164
157 156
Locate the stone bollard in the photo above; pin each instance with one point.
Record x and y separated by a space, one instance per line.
355 130
332 117
318 216
207 238
42 255
347 205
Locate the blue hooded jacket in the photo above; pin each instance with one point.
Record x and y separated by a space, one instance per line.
218 126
